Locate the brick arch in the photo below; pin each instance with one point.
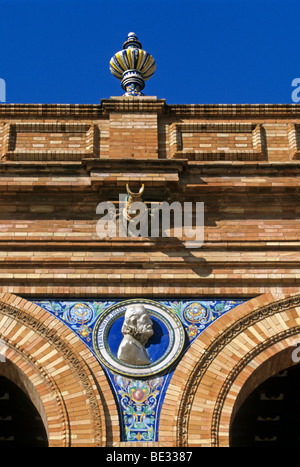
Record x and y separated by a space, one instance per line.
215 370
40 388
59 374
270 367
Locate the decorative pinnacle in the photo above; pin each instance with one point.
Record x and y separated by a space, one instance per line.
132 41
132 66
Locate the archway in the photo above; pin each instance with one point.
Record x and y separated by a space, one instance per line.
269 416
20 422
59 374
214 371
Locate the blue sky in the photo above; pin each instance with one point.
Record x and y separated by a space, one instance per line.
206 51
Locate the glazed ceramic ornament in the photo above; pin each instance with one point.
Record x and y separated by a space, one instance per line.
132 66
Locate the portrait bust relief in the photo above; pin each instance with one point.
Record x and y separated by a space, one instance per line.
137 330
138 337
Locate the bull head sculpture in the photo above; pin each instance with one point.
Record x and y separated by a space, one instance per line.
132 198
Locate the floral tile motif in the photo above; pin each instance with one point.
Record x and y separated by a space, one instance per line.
139 400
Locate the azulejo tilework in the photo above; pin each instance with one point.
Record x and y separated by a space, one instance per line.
139 390
164 347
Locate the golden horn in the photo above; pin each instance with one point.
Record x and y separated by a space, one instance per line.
134 194
128 190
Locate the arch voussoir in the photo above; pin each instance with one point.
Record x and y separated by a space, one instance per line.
58 372
212 374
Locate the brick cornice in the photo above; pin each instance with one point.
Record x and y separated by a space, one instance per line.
150 104
101 168
133 104
50 110
239 111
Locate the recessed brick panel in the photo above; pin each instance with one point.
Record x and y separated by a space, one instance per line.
50 141
294 140
217 141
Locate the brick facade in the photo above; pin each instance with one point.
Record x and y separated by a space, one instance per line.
59 161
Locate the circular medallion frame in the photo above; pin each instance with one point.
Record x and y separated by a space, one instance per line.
164 347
